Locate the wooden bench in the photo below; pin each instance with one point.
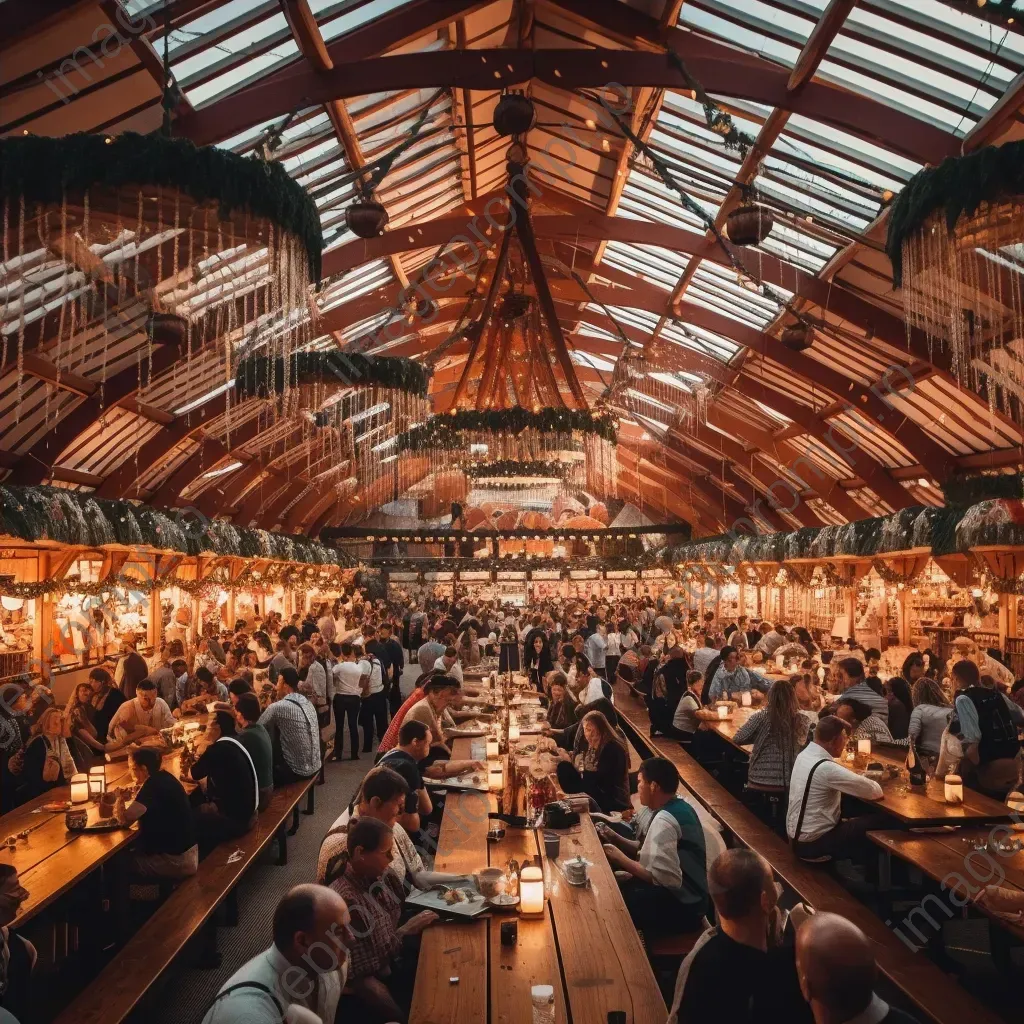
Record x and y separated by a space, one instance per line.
125 980
921 981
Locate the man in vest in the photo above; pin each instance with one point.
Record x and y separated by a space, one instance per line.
667 860
988 729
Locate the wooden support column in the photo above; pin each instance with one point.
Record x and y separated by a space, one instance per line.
1006 601
741 597
903 625
42 631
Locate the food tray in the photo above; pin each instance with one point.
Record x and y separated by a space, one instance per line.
433 899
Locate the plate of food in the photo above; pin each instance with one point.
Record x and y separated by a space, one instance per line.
504 899
471 781
459 900
57 806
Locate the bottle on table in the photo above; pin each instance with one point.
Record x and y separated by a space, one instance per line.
915 770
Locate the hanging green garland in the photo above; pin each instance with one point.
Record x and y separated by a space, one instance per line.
512 468
40 169
964 491
959 185
444 431
262 376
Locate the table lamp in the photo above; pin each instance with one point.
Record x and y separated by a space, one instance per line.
745 698
97 781
492 749
80 788
954 789
723 711
863 746
513 732
531 890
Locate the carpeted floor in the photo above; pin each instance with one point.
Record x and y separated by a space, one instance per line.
184 994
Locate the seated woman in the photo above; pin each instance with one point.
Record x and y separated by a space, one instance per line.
48 762
929 719
381 986
562 708
901 706
106 699
81 718
229 804
778 732
685 722
601 767
167 846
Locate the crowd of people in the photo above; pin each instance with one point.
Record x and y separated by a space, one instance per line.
285 694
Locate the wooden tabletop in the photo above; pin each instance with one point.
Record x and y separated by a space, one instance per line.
51 860
584 946
951 859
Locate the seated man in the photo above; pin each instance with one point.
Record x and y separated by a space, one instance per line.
17 955
144 715
732 973
294 731
230 803
817 784
256 741
413 747
865 724
439 693
668 861
835 963
167 846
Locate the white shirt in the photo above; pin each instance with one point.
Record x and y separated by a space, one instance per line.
455 671
830 781
130 715
594 691
375 672
659 853
317 678
346 678
288 984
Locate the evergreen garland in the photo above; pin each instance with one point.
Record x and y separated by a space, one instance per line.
511 467
444 431
964 491
54 513
959 185
40 169
263 376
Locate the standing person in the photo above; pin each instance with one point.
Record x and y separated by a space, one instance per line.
392 659
537 657
306 965
163 678
667 687
817 783
836 966
131 668
312 677
428 654
294 731
612 650
373 708
106 699
669 859
778 732
167 846
256 741
349 687
732 974
989 721
229 806
595 647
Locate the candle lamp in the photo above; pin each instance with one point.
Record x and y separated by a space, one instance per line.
863 746
954 789
97 781
723 711
513 732
79 788
492 749
531 890
745 698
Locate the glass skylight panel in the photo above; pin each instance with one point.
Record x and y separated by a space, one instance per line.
813 197
594 362
699 340
772 20
797 248
246 73
676 380
748 39
340 18
646 199
847 152
660 267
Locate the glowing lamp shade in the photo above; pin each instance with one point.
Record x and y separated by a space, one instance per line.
954 789
531 891
723 711
97 781
495 780
863 746
1015 801
780 660
11 604
492 749
513 733
80 788
745 698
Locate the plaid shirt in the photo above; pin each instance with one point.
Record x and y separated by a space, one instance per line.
375 908
293 722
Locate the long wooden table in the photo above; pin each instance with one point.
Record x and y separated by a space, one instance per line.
912 806
52 860
585 945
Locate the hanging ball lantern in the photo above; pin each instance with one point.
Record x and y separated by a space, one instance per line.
797 337
513 305
514 114
366 218
424 307
749 224
167 329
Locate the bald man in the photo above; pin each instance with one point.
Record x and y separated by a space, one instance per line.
731 974
303 971
836 968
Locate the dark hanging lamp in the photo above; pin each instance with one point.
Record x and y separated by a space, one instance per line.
514 114
366 218
749 224
797 337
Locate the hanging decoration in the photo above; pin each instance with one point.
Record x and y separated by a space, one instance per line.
953 232
445 431
514 468
324 373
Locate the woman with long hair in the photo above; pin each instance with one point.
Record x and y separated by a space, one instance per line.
901 705
538 661
778 732
81 718
48 761
562 707
601 769
931 714
106 699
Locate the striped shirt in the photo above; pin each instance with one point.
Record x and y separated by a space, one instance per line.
770 763
862 692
